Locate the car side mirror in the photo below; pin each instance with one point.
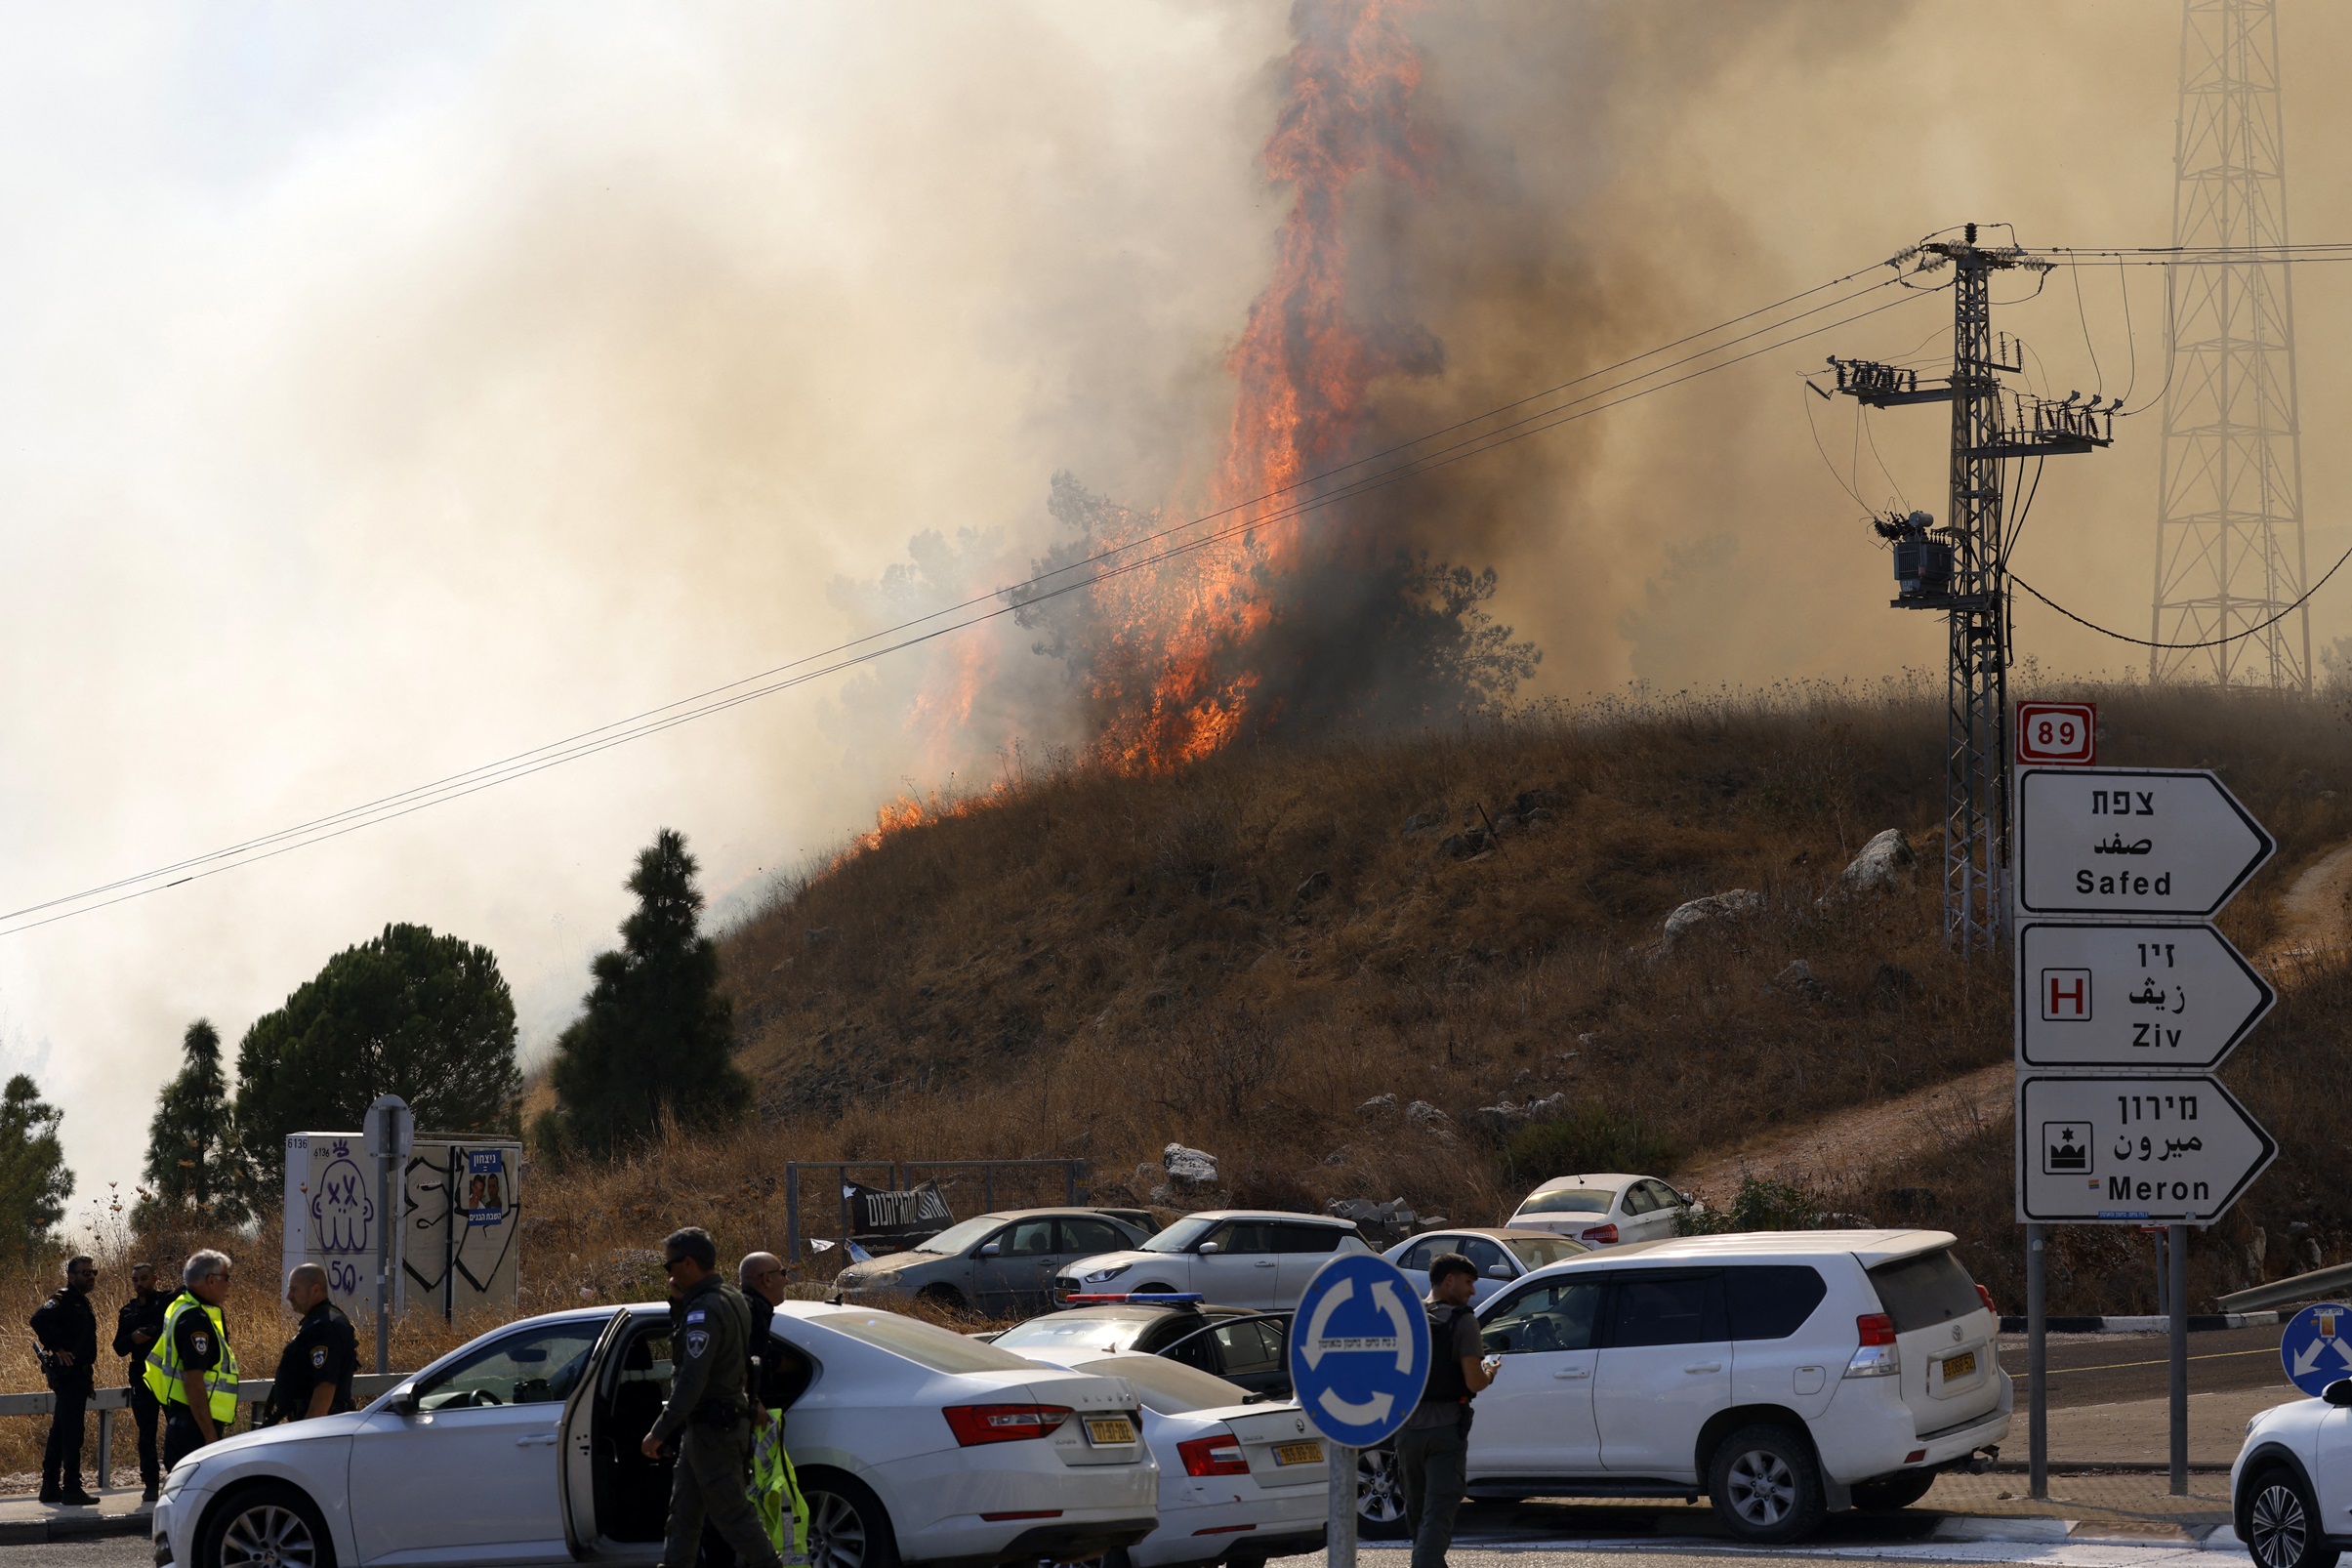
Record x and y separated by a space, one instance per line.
990 1249
2338 1394
1498 1271
1210 1249
404 1400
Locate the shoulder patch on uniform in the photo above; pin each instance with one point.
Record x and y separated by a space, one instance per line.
318 1355
203 1343
697 1341
697 1316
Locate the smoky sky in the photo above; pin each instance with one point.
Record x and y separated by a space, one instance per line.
385 396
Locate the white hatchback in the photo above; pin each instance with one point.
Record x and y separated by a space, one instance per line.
1254 1257
1602 1209
1782 1375
911 1442
1239 1482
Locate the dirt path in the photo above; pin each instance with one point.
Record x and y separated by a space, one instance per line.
1863 1139
2314 913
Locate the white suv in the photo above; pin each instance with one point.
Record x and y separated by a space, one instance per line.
2291 1489
1785 1375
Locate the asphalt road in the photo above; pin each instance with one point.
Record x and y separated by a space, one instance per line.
2108 1367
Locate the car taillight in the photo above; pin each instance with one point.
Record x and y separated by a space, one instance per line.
1878 1356
1876 1328
1599 1235
1213 1456
975 1424
1986 1297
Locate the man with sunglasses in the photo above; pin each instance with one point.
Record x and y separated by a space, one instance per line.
67 1332
709 1338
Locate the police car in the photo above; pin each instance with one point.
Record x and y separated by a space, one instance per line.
912 1443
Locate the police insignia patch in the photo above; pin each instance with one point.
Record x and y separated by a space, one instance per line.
697 1341
318 1355
203 1343
697 1316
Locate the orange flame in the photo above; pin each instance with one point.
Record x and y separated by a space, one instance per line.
1179 684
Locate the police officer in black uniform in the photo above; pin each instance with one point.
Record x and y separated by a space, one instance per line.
314 1372
711 1327
67 1332
137 1325
1432 1450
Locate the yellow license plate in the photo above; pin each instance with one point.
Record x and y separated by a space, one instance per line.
1110 1429
1960 1366
1299 1454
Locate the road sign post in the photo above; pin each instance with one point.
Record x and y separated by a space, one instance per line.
1360 1358
389 1133
2063 734
2125 998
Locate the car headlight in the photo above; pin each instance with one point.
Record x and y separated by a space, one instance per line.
179 1475
1101 1274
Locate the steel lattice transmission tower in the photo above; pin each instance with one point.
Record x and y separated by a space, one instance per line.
2229 528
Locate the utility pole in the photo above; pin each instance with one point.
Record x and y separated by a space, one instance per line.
1962 568
2229 517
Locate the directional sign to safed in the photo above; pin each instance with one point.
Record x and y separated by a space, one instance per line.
1359 1350
2162 996
2158 1150
2124 842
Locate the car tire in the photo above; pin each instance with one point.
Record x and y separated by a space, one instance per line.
269 1522
1892 1492
847 1526
1765 1485
1153 1289
1380 1495
2282 1524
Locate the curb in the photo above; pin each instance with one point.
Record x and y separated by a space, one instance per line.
2199 1323
67 1527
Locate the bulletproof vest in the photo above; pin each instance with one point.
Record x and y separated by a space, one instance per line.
1446 1384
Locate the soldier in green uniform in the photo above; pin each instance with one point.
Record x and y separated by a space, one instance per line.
710 1337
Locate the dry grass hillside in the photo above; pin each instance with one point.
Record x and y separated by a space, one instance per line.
1237 955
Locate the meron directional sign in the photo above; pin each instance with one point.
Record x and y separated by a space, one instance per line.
2125 841
2316 1347
2162 997
1359 1350
2111 1149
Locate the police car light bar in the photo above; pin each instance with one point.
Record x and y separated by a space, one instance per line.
1147 1298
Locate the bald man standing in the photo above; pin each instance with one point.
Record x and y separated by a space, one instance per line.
762 1278
314 1374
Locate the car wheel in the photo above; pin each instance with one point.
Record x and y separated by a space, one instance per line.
1380 1495
1892 1492
266 1526
2282 1526
1765 1485
1154 1289
846 1525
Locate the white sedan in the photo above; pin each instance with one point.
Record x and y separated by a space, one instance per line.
912 1444
1252 1258
2293 1482
1239 1482
1602 1209
1499 1254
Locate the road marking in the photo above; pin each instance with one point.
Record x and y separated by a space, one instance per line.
2120 1366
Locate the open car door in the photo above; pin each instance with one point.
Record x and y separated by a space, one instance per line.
604 1491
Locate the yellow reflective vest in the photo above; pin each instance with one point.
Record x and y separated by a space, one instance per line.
164 1371
775 1492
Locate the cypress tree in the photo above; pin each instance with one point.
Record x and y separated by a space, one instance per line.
655 1035
191 1141
34 1183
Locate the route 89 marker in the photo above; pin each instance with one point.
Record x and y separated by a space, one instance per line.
1359 1350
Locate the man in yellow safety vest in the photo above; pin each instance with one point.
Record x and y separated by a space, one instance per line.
192 1370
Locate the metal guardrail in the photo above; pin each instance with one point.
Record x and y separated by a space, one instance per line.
2301 1288
366 1386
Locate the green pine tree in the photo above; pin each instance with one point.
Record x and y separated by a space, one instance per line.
408 1013
656 1036
34 1183
192 1170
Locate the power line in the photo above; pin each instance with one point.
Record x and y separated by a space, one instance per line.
1003 602
2183 647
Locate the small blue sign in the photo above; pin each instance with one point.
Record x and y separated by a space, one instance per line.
1359 1350
2315 1348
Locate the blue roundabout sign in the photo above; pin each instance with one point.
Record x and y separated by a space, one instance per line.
1359 1350
2316 1347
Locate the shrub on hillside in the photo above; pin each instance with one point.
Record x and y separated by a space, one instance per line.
1590 1138
1761 1204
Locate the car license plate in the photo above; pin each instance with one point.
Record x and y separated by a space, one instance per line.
1299 1454
1960 1366
1110 1429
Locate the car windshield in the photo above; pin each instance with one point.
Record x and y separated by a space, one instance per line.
1538 1252
922 1344
1569 1201
955 1238
1169 1388
1180 1236
1111 1333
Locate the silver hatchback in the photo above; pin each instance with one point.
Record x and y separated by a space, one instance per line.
1001 1264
